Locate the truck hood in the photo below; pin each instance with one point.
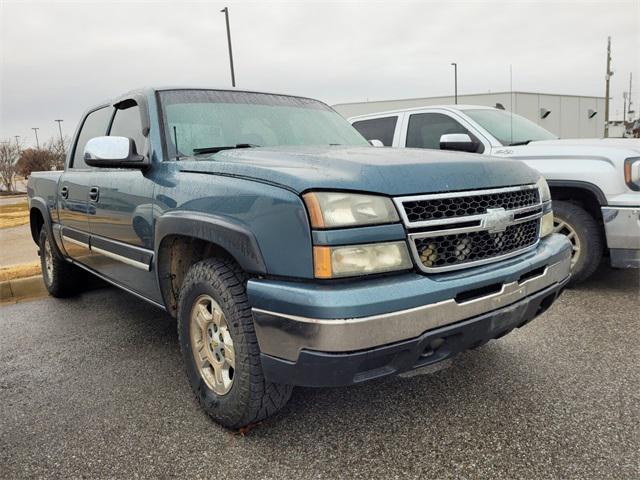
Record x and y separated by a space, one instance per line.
381 170
612 149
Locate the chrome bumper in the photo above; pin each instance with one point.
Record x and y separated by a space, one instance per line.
622 227
284 336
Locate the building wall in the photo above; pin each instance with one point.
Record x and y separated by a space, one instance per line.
569 117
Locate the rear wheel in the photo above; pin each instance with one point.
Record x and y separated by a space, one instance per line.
61 278
585 235
220 348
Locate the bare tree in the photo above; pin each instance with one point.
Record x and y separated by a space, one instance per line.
58 149
9 154
50 157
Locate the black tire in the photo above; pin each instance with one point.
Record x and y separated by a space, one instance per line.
589 238
251 398
61 278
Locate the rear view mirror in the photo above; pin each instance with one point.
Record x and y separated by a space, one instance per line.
113 152
376 143
458 141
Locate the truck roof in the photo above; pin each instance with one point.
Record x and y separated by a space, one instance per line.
150 90
411 109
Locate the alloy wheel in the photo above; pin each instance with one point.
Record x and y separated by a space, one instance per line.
212 345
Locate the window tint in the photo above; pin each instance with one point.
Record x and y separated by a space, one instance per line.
95 125
378 129
425 130
127 123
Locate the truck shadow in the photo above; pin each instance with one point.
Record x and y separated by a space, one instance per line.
607 278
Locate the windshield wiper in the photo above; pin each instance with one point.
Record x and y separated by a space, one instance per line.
524 142
199 151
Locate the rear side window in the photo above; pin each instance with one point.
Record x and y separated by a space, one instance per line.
425 130
378 129
95 125
127 123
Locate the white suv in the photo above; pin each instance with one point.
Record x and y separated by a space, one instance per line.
595 183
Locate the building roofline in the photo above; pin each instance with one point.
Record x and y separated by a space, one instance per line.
515 92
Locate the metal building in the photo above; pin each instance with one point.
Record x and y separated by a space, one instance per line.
567 116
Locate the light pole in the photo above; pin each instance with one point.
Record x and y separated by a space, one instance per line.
60 130
225 10
35 129
606 94
455 81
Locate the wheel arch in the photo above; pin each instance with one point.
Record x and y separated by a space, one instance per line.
185 238
587 195
38 218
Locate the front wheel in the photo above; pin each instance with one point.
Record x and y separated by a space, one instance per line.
585 235
220 348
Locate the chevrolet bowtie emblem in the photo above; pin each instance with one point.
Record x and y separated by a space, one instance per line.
497 219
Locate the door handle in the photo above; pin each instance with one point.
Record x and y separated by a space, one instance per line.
94 194
64 192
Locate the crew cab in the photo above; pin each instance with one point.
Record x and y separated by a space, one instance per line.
595 183
290 250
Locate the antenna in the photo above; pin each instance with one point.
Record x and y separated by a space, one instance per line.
175 142
511 100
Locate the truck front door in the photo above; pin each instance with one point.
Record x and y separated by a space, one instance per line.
120 212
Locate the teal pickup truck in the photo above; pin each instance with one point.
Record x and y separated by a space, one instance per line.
290 251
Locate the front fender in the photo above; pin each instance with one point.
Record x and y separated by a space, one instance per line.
234 237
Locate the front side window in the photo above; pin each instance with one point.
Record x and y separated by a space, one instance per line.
508 128
425 130
94 125
203 119
378 129
127 123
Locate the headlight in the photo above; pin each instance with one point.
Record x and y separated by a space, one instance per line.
632 173
543 188
336 209
546 224
345 261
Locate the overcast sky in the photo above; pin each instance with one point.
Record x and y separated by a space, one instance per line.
58 57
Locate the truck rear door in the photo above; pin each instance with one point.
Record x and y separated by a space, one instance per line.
73 187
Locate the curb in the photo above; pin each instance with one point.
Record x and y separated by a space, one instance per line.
12 291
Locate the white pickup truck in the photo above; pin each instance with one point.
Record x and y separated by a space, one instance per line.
595 183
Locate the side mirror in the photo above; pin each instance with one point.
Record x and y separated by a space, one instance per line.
458 141
376 143
113 152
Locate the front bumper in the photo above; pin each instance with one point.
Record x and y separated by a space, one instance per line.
294 320
622 227
324 369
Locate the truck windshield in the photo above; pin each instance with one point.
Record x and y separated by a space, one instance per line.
203 121
508 130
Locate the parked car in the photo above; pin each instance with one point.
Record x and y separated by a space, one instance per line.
291 251
595 183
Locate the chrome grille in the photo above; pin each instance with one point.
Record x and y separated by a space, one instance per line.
458 249
462 229
448 207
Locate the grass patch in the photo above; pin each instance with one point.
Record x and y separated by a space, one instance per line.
19 271
14 214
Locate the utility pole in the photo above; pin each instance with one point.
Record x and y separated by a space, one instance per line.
60 130
629 110
624 108
225 10
17 137
35 129
455 81
606 95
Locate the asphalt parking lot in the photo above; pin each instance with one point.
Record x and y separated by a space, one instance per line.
94 386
